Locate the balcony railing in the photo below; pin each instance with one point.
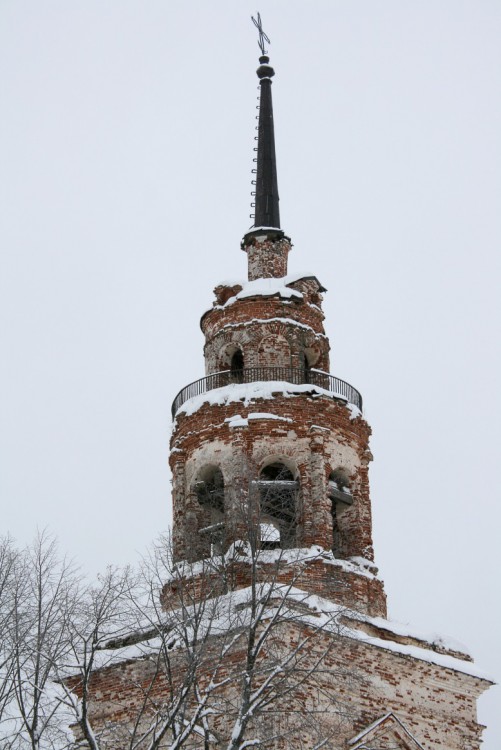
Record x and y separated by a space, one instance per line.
334 385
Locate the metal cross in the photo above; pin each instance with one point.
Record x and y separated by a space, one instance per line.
262 36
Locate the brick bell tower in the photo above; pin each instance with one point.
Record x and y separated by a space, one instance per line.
270 445
269 425
272 629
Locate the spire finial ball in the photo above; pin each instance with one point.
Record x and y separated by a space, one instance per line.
265 70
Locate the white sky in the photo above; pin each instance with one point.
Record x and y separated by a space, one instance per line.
125 157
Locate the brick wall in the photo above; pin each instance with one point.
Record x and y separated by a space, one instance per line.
356 685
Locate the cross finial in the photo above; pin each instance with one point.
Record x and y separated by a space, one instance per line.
262 36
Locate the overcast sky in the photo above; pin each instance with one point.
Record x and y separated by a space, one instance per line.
126 141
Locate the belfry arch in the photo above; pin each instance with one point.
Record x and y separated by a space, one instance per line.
210 493
278 492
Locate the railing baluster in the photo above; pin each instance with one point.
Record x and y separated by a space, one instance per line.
296 376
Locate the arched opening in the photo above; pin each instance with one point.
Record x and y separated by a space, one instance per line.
210 494
340 497
237 366
278 492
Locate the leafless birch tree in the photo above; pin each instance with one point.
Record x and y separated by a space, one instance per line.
222 653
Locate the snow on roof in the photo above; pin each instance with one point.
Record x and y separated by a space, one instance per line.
232 611
248 392
424 654
398 628
262 288
265 288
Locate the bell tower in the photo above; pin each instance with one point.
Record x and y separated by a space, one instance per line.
269 435
273 629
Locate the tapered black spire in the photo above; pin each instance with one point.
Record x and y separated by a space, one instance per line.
266 213
265 243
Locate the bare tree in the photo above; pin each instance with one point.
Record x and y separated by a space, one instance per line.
215 663
9 564
103 613
224 652
40 593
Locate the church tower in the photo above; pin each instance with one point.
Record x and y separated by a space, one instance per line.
272 447
272 629
268 427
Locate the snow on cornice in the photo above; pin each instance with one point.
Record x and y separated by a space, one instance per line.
422 654
405 630
238 421
295 556
248 392
265 288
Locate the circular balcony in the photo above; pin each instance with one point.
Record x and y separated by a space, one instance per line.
335 386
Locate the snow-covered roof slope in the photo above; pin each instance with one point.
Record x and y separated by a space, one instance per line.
324 615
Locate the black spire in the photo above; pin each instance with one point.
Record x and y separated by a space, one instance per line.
266 212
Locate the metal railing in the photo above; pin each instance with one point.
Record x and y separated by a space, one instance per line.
335 386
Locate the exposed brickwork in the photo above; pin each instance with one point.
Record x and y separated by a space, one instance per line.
267 257
354 589
269 331
314 436
357 685
287 472
324 447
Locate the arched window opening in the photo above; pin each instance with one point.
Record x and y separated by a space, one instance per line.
210 495
237 366
278 500
340 497
307 370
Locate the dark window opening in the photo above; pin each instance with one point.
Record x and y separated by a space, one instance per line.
336 534
210 492
340 496
210 495
237 366
215 533
339 488
278 500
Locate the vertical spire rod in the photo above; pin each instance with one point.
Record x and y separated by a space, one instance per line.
266 213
